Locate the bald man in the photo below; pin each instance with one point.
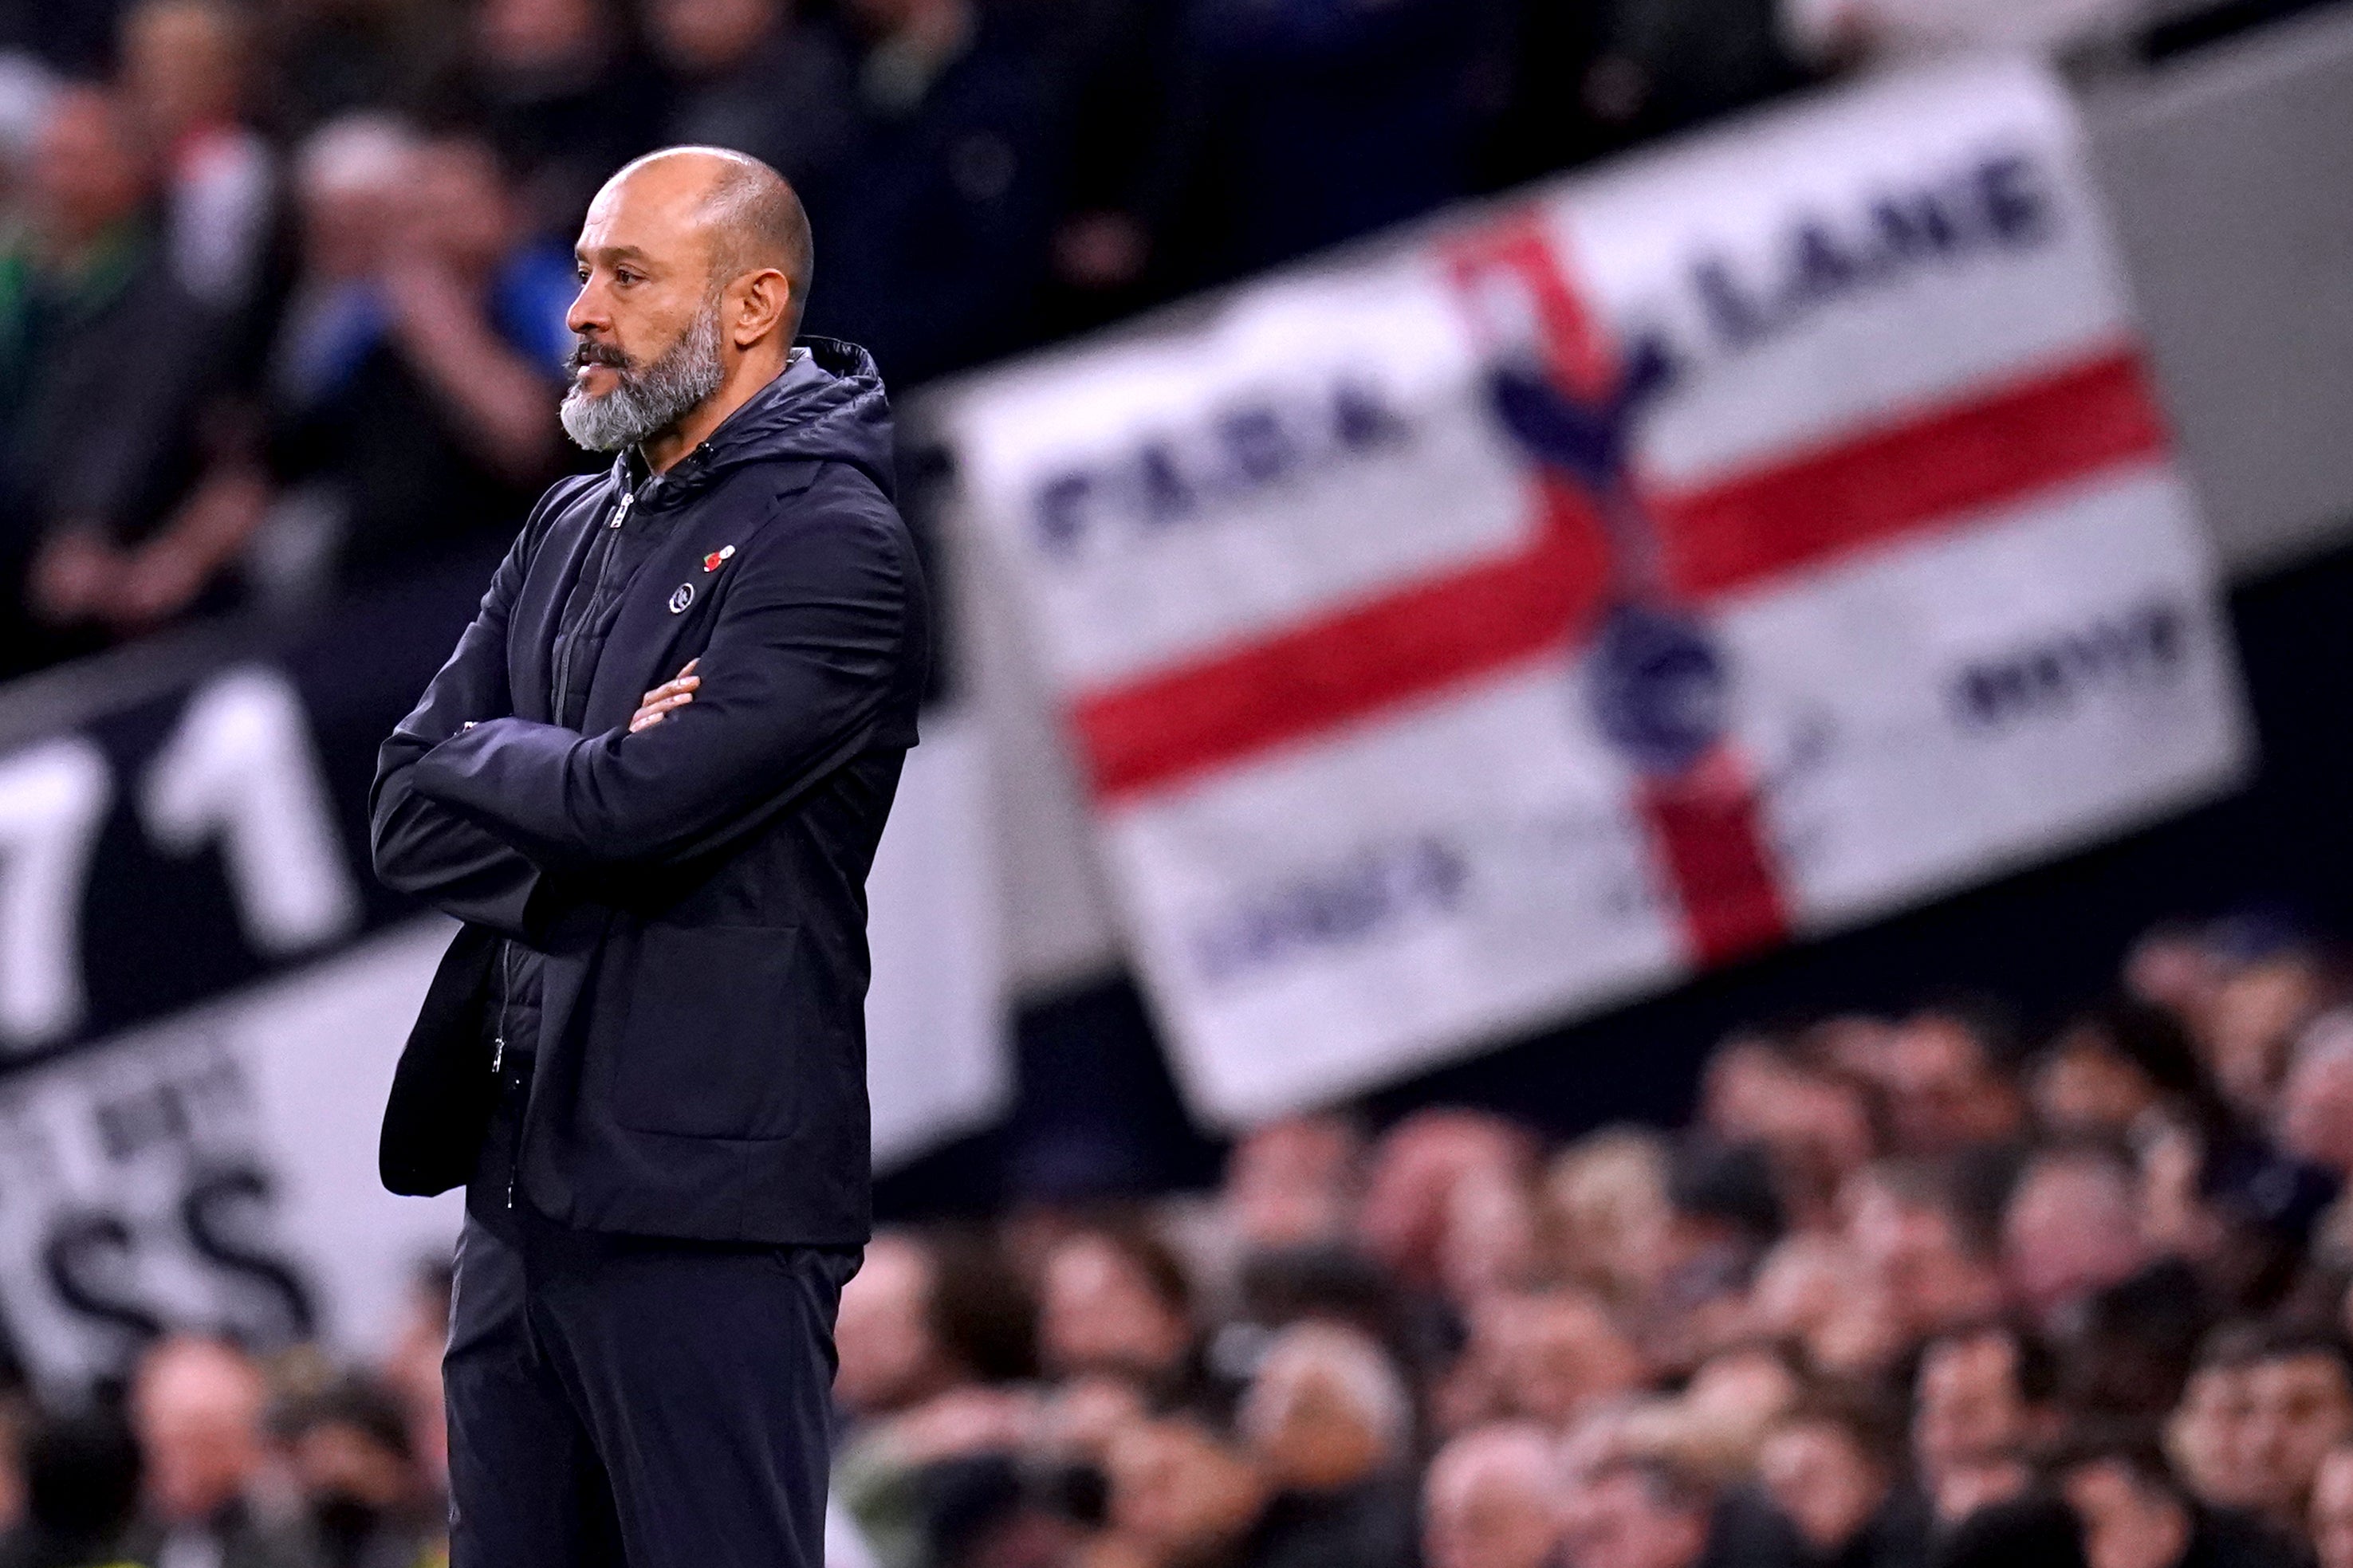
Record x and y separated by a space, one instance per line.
1491 1499
650 782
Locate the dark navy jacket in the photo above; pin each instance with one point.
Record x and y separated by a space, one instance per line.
696 891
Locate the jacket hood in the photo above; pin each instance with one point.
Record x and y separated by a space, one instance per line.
830 408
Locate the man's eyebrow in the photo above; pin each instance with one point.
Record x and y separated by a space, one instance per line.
610 252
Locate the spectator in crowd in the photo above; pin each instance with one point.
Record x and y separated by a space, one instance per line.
1330 1422
1661 66
183 74
758 77
891 1355
1983 1400
2208 1436
1545 1355
1826 1467
983 1510
1546 121
2113 1070
2136 1514
2084 1263
1411 1181
1717 1424
1181 1496
367 1503
1637 1514
1491 1499
927 1314
2072 1229
1814 1122
2300 1406
1728 1213
1496 1237
198 1408
1922 1245
413 387
1607 1193
1292 1182
1942 1071
2274 982
1113 61
932 1331
2175 967
1113 1300
98 432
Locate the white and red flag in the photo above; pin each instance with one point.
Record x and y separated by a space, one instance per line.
1761 535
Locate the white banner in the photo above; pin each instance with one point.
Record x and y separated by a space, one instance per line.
939 1052
1757 536
218 1169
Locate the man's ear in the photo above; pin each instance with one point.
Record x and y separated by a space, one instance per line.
764 300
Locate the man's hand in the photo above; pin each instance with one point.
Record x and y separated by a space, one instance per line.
669 694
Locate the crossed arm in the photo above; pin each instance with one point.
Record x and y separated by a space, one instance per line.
798 673
420 847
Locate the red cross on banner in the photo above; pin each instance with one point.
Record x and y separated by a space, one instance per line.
1919 470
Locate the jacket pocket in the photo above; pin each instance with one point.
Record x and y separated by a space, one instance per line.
720 1021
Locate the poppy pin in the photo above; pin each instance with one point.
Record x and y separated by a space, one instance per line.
718 558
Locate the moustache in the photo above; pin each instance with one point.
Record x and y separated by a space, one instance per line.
588 353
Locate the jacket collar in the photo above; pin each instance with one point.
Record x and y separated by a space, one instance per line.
763 427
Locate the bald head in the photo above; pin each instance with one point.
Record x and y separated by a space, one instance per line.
749 216
197 1404
1491 1500
694 265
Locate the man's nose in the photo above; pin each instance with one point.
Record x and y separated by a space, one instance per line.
588 314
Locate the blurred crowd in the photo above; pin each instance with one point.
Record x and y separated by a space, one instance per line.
282 296
1919 1291
210 1457
283 282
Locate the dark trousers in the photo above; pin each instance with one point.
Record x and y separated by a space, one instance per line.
621 1400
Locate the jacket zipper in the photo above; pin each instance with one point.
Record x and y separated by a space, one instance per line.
498 1046
563 688
604 570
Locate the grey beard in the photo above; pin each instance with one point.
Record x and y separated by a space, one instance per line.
650 400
